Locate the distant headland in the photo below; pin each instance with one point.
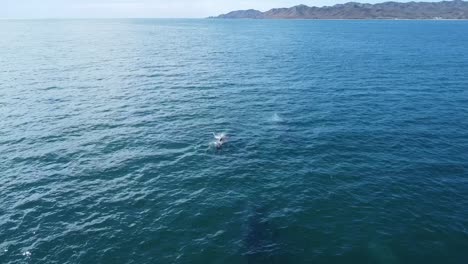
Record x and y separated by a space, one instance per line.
456 9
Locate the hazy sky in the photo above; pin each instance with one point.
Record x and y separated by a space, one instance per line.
142 8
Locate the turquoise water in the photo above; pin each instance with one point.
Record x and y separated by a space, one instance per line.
348 141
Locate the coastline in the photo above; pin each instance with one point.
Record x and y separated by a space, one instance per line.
344 19
438 10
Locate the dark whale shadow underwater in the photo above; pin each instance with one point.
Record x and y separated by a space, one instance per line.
261 242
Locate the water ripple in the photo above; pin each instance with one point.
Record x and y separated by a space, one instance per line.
347 143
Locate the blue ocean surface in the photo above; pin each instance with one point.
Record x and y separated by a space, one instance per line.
347 141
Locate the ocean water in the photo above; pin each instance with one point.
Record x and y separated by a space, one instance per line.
347 141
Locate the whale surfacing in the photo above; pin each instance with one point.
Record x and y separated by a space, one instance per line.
220 140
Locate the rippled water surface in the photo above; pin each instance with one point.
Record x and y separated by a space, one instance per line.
348 141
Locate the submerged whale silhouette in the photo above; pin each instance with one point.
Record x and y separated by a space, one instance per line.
261 243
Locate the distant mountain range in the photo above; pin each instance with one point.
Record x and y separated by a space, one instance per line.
457 9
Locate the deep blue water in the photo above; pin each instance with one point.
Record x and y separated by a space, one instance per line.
348 141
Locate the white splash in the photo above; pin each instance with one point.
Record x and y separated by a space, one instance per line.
27 254
276 118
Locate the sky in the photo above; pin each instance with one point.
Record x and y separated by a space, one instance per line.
143 8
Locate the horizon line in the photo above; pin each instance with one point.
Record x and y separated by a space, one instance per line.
216 15
236 19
